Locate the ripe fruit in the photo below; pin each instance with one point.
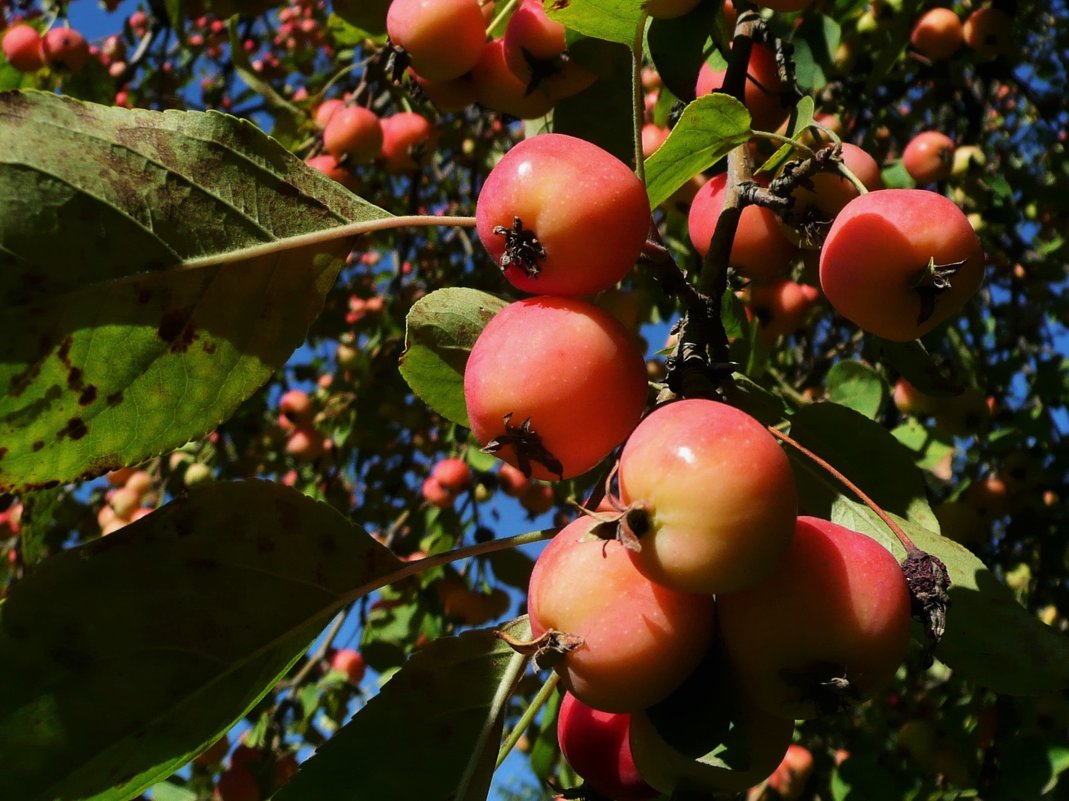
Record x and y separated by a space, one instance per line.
588 212
789 779
437 495
456 94
989 31
65 48
499 89
831 192
350 662
444 38
453 474
597 746
22 48
533 48
214 753
407 141
640 640
557 383
237 784
297 406
760 250
910 400
929 157
937 34
325 110
653 137
713 496
828 628
329 166
898 262
763 91
354 131
781 306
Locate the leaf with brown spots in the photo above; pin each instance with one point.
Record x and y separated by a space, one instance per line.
128 302
431 733
179 623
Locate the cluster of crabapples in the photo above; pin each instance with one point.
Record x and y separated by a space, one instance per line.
700 573
60 48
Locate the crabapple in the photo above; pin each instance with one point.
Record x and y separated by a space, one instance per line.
455 94
828 628
554 384
65 48
759 250
325 110
898 262
498 88
443 38
763 93
639 639
354 131
296 405
831 191
125 501
237 784
929 157
789 779
966 159
406 136
537 499
653 137
596 745
305 444
534 45
329 166
453 474
561 216
350 662
437 495
937 34
22 47
711 495
214 754
780 306
512 480
989 31
910 400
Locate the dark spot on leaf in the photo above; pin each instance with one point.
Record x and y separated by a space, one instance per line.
115 398
3 452
64 352
327 544
209 347
89 394
38 445
175 328
75 429
74 378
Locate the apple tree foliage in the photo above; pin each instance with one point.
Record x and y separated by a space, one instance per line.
169 267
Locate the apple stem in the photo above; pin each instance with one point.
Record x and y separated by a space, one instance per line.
501 15
528 716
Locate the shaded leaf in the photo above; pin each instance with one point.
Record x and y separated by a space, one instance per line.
612 20
916 365
803 118
870 457
815 42
990 638
432 715
160 322
857 386
182 621
600 113
440 330
678 47
706 132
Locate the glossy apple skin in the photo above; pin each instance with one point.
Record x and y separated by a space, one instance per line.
499 89
355 131
568 366
530 29
759 250
831 191
597 747
838 606
444 38
22 48
937 34
877 246
641 640
929 157
586 207
719 493
763 88
401 133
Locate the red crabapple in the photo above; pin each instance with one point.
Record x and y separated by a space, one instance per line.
329 166
711 495
237 784
561 216
554 384
455 94
499 89
789 779
355 131
65 48
534 46
829 628
437 495
781 306
297 406
639 639
830 192
350 662
898 262
989 31
596 745
763 93
325 110
406 136
22 48
759 250
444 38
453 474
929 157
937 34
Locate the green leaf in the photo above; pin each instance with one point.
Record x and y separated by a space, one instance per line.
601 113
706 132
179 623
815 42
368 15
165 791
678 47
803 118
440 331
431 733
990 638
857 386
612 20
863 451
1029 768
931 448
916 365
163 319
